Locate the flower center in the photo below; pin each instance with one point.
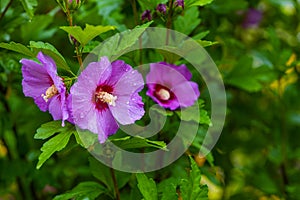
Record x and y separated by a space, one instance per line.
163 94
50 92
106 97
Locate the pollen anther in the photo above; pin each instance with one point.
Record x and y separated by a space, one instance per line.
50 92
107 98
163 94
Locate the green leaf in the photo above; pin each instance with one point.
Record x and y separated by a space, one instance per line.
119 43
167 188
190 3
138 142
51 51
17 47
86 35
188 22
191 189
191 115
162 111
205 43
84 190
28 6
56 143
147 187
38 28
246 77
48 129
103 174
200 35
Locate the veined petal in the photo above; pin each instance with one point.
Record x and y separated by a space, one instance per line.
119 68
55 107
164 75
129 106
48 63
35 82
186 93
128 110
106 125
180 68
131 82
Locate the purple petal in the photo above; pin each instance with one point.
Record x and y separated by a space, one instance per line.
128 101
55 107
186 93
164 75
48 62
106 125
180 68
69 108
96 73
119 68
35 82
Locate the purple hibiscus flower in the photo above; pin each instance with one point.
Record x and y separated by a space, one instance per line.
41 82
104 94
170 86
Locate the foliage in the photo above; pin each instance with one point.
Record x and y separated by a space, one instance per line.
257 155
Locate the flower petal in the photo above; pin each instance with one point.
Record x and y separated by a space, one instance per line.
55 107
128 110
186 93
180 68
129 106
96 73
35 82
164 75
48 63
119 68
106 125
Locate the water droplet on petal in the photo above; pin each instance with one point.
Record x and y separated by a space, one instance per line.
81 115
127 102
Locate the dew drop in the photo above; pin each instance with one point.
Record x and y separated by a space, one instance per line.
81 115
127 102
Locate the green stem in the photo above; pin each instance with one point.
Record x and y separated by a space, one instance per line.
169 21
284 141
5 10
112 172
77 49
135 13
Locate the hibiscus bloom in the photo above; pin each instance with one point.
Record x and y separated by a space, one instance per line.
170 86
104 94
41 82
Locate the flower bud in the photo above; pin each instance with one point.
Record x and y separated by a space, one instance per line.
146 15
161 8
71 5
75 4
179 3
